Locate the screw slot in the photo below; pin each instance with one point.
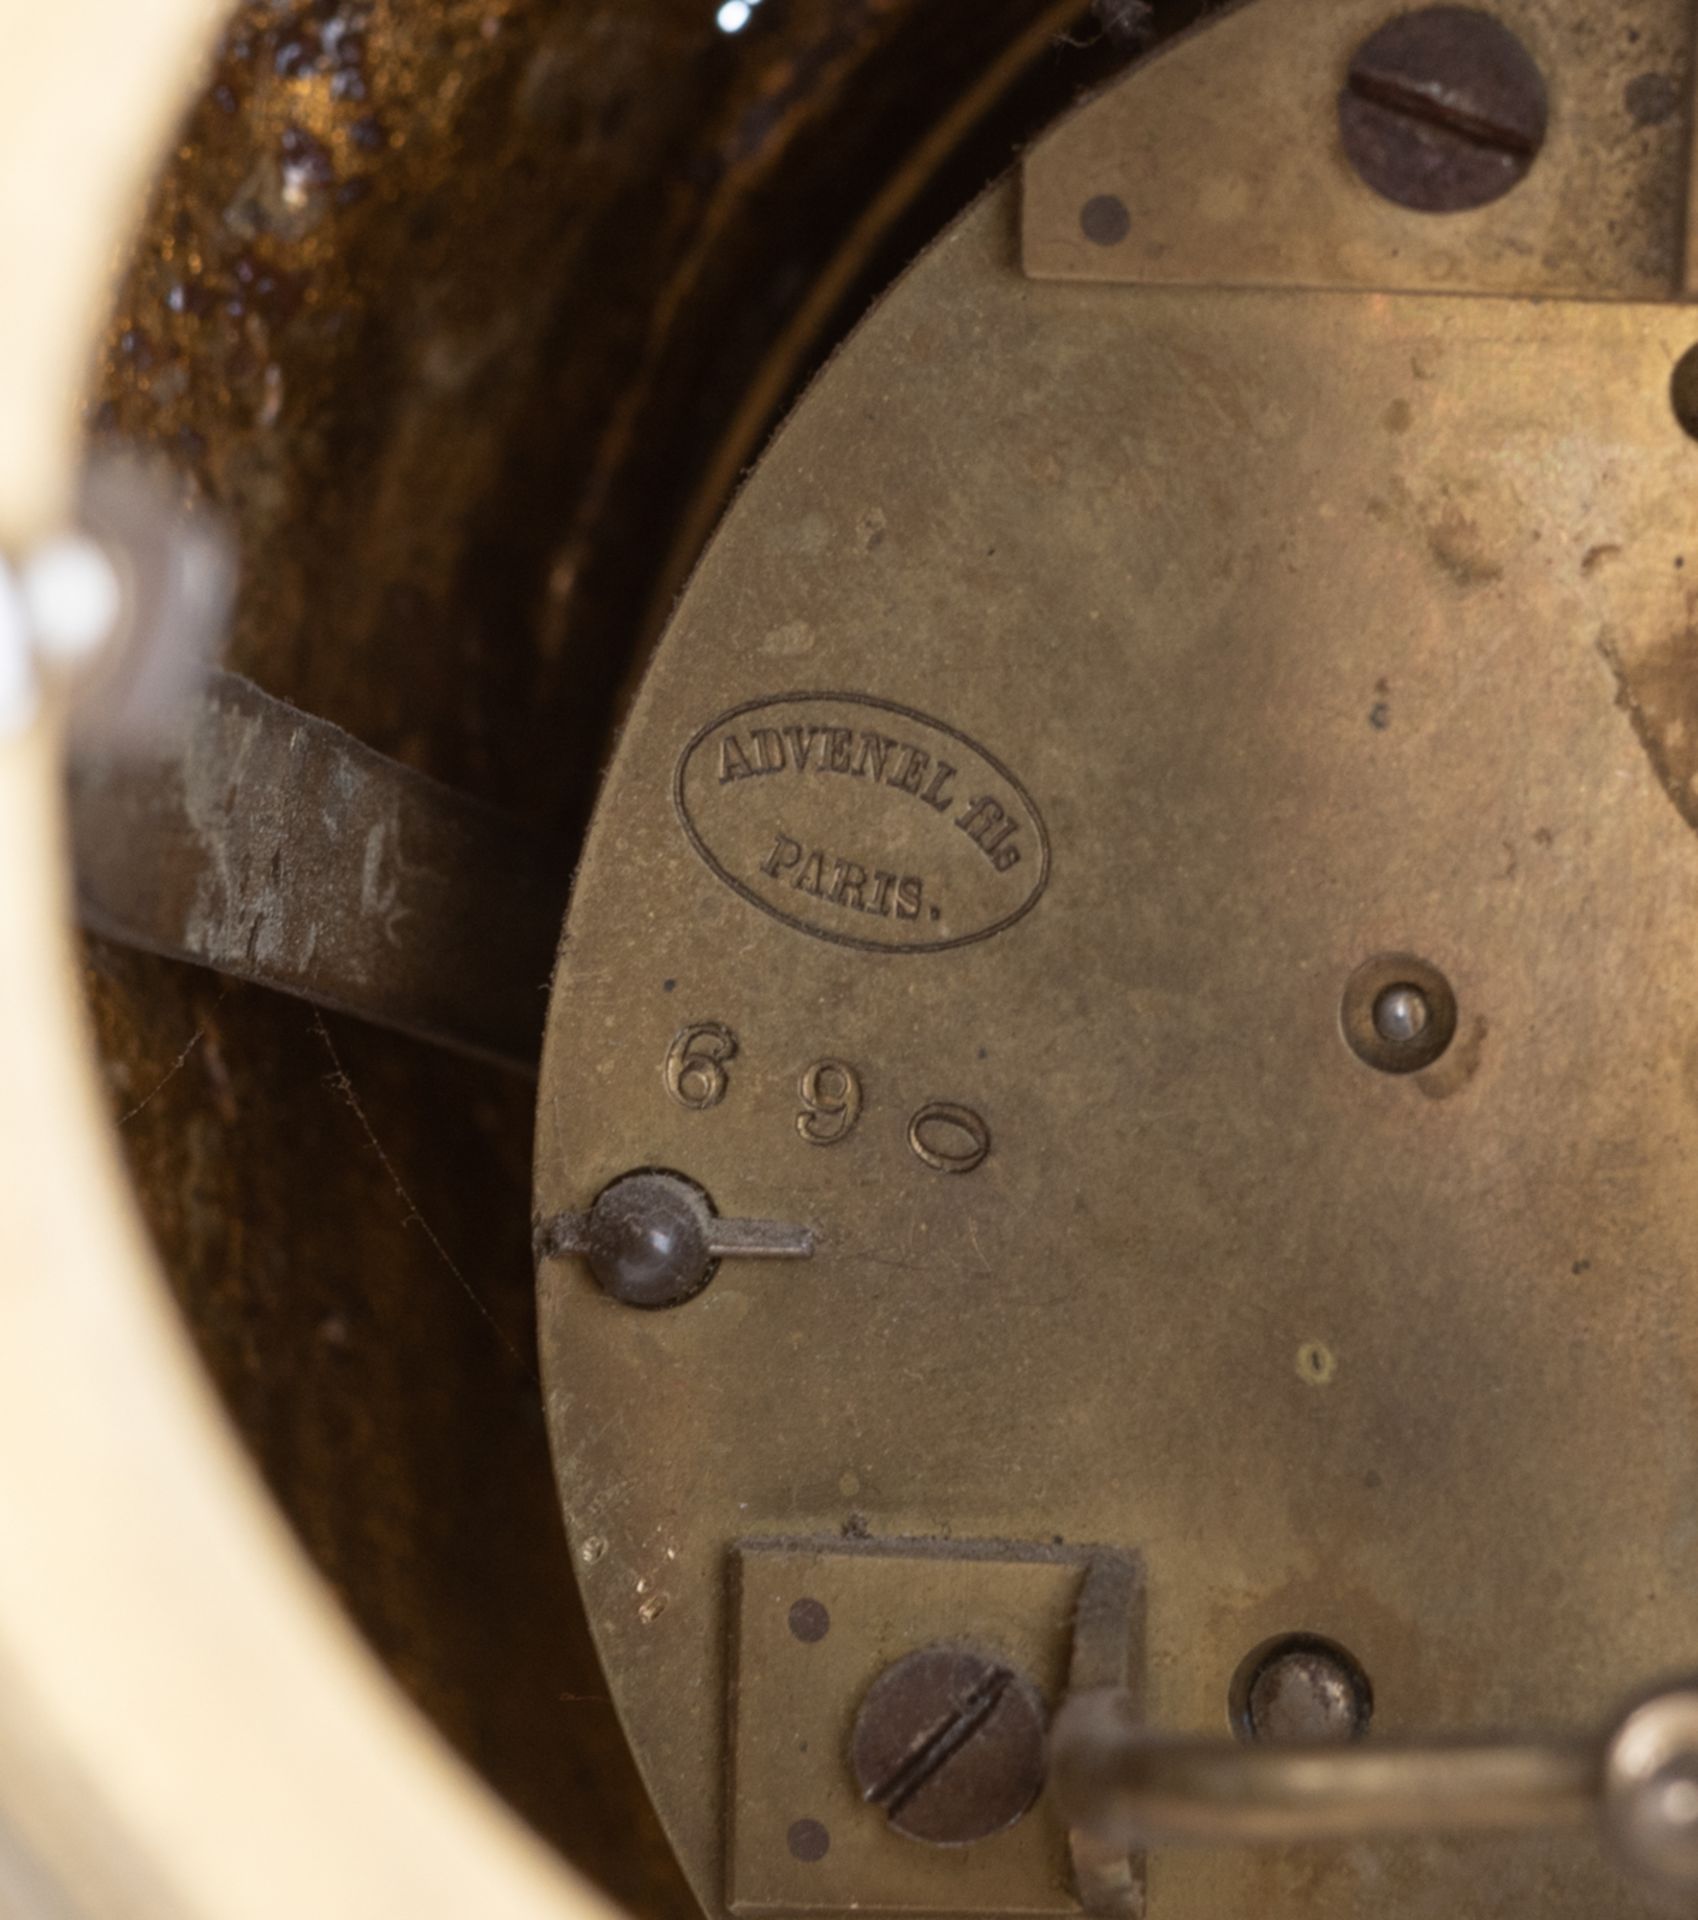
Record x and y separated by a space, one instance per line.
1300 1688
1399 1013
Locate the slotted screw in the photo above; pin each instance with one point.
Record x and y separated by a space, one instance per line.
949 1742
1443 110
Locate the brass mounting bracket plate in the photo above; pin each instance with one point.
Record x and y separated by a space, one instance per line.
793 1701
1222 154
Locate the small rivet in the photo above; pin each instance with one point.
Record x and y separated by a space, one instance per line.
1398 1014
1301 1689
1402 1015
648 1240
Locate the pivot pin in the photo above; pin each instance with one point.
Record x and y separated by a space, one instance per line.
653 1239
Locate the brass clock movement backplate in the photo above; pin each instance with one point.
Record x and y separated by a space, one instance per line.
1101 698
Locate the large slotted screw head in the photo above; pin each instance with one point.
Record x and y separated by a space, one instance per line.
950 1743
1443 110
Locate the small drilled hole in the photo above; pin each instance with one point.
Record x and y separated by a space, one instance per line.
810 1621
1104 220
808 1841
1316 1364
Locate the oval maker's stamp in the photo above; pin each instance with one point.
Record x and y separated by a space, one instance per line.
862 822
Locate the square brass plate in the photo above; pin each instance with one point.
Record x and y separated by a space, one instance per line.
793 1702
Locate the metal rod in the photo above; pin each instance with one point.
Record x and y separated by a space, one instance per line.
759 1240
1129 1788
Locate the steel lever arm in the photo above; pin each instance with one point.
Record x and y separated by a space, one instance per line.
1127 1787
